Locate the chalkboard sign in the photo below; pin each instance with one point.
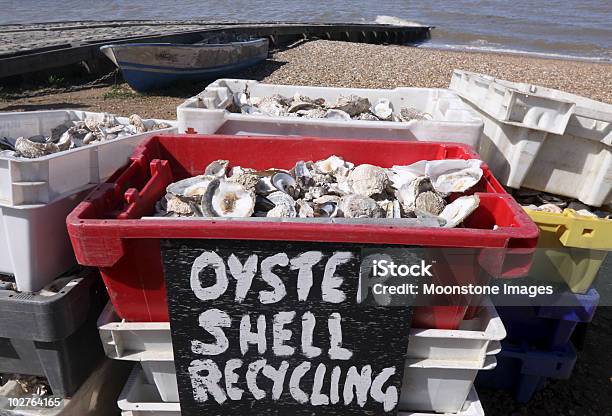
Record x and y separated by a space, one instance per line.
274 328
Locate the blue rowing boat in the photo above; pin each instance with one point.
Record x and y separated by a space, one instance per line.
149 66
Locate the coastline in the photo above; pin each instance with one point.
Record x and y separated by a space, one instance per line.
343 64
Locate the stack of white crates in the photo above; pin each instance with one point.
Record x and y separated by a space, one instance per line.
37 194
439 371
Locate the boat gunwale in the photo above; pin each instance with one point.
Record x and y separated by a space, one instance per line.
186 45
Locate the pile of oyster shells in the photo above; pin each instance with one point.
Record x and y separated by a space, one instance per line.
329 188
545 202
17 385
350 107
77 133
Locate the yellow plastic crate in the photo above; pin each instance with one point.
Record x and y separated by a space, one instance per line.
571 248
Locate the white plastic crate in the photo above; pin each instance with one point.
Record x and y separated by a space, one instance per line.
34 241
428 385
452 120
567 165
44 179
473 341
576 162
475 338
440 386
471 407
140 398
516 103
441 365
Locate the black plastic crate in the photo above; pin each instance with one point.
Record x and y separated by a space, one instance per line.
53 335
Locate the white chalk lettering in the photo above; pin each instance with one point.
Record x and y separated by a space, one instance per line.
308 325
247 337
278 378
212 321
280 334
304 263
336 352
231 378
203 385
334 396
389 397
330 284
317 398
208 258
243 274
358 384
278 291
251 378
294 382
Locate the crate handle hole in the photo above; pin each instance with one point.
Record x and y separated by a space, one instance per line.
559 365
587 232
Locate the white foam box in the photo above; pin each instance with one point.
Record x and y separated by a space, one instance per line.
445 360
140 398
452 121
42 180
565 150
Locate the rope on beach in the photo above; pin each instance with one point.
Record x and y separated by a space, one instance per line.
99 82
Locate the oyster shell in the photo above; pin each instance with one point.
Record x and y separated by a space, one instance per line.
454 175
286 183
193 187
227 199
218 168
304 209
282 211
302 105
137 122
586 213
332 164
382 109
263 204
327 198
312 113
547 208
410 113
32 149
368 180
264 185
334 114
281 198
408 193
458 210
180 207
430 202
245 177
302 174
401 175
327 209
366 117
275 105
545 198
352 105
359 206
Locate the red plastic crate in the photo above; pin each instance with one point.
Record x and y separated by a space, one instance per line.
106 231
